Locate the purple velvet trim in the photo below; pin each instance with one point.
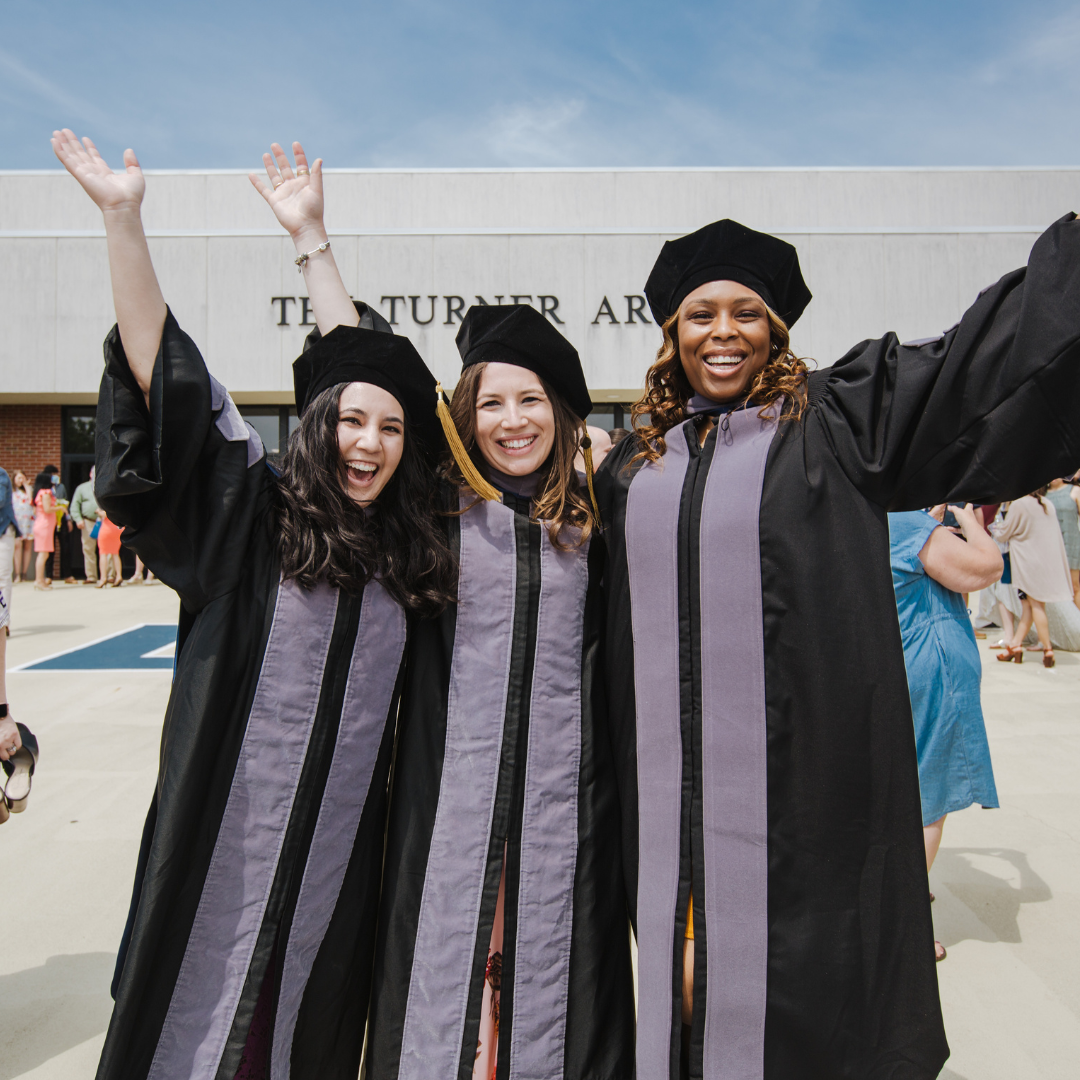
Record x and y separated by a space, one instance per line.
549 828
454 879
231 424
734 790
248 845
652 555
376 659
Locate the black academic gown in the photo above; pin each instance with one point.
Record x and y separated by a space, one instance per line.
785 684
260 860
503 746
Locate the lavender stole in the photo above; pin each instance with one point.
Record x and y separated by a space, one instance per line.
449 919
733 745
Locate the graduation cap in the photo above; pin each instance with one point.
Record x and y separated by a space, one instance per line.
357 354
519 334
728 251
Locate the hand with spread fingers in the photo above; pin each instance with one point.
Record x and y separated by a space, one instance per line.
111 191
295 197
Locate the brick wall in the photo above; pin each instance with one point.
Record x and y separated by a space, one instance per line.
29 438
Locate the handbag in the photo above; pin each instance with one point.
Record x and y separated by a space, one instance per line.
96 529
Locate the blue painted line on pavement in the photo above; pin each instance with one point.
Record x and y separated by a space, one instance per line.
125 651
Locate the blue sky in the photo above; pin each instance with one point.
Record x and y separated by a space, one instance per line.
583 83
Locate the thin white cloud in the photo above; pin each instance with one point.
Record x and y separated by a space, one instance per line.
534 134
72 108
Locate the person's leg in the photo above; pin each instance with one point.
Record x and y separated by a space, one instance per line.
39 569
1076 586
1006 617
27 557
932 840
89 554
1042 628
1025 624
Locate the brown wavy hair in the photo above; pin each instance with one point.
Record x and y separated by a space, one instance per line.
667 389
559 500
322 534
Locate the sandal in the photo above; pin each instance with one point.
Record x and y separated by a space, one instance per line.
1048 658
20 772
1012 652
939 952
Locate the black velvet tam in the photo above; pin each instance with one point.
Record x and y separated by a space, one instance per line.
728 251
353 354
519 334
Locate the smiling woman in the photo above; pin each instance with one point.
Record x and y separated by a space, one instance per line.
249 942
759 700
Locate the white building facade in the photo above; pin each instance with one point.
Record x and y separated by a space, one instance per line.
882 249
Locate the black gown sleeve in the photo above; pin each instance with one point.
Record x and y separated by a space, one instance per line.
988 411
186 478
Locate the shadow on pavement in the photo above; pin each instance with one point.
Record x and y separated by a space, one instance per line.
993 899
50 1009
30 631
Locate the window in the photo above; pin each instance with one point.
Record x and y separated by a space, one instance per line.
79 427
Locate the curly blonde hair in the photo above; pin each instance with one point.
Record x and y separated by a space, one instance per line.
667 389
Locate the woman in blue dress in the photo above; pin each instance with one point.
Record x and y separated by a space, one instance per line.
931 567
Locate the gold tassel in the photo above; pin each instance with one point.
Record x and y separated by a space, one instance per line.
469 472
586 453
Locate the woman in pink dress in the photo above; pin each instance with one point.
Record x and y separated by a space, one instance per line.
44 527
108 543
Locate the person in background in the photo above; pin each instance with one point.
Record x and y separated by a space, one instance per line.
931 569
23 503
1002 597
67 543
84 512
108 542
617 434
9 530
137 577
44 527
1065 498
1040 569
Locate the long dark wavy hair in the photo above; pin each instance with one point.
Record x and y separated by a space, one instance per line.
324 535
43 481
667 389
559 501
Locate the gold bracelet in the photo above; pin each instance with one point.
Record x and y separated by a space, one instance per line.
300 260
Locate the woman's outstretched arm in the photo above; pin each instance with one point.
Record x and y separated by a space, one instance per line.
962 565
140 307
297 202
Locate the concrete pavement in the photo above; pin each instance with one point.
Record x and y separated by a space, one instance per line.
1007 881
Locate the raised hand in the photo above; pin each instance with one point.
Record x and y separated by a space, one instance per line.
296 198
109 190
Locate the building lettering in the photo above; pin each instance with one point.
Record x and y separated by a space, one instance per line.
422 309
